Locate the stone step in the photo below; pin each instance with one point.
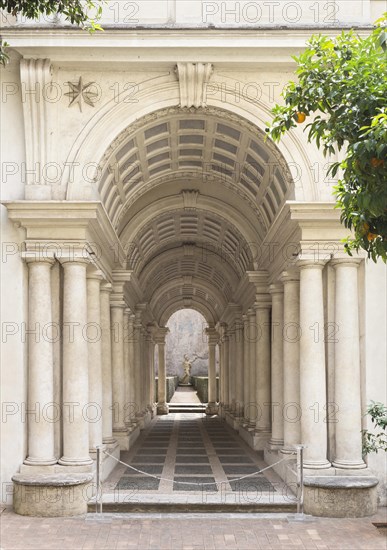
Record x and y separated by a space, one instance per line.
187 408
161 507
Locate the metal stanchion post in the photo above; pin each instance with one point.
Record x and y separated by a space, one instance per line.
98 503
300 479
300 516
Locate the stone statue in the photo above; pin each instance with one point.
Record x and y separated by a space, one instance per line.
187 365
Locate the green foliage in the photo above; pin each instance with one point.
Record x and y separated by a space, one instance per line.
342 83
372 443
75 11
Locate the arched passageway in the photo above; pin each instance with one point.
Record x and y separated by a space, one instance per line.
195 210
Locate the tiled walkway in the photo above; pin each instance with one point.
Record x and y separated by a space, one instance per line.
200 454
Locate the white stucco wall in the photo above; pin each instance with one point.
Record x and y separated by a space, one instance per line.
13 286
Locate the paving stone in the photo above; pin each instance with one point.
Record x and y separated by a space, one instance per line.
193 451
256 484
199 484
238 459
150 459
192 460
147 468
193 470
138 483
240 470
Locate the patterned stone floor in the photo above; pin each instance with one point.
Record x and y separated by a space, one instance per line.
200 454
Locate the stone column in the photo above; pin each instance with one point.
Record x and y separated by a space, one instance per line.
106 358
40 363
132 409
231 369
146 368
253 336
212 341
94 278
151 370
348 443
312 364
291 360
239 374
117 316
263 360
138 363
126 405
277 371
75 364
246 368
162 407
226 379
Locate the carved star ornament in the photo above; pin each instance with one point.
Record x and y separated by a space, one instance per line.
80 94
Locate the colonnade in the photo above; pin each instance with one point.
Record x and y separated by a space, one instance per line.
107 363
273 364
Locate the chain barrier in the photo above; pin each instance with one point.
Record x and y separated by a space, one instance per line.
300 478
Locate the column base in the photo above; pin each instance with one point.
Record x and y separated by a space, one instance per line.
30 461
212 408
68 461
93 451
260 440
275 444
349 465
109 441
317 464
162 409
122 436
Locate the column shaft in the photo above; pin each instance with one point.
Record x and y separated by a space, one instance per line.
117 315
253 336
277 389
246 368
94 358
106 358
291 360
263 367
312 365
239 368
40 365
348 444
75 366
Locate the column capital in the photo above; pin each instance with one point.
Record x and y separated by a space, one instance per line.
76 257
345 262
94 273
276 288
311 263
290 276
160 335
106 287
31 258
263 303
213 336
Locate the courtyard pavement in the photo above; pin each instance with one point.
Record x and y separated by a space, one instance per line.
189 532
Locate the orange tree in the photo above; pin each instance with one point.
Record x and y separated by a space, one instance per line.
342 90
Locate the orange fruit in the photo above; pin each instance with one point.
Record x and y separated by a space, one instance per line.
300 117
371 237
375 162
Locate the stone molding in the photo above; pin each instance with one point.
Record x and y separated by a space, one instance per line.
193 79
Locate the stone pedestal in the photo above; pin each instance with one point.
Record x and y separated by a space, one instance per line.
52 495
340 496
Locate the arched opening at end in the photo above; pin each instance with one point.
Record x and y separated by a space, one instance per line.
187 360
